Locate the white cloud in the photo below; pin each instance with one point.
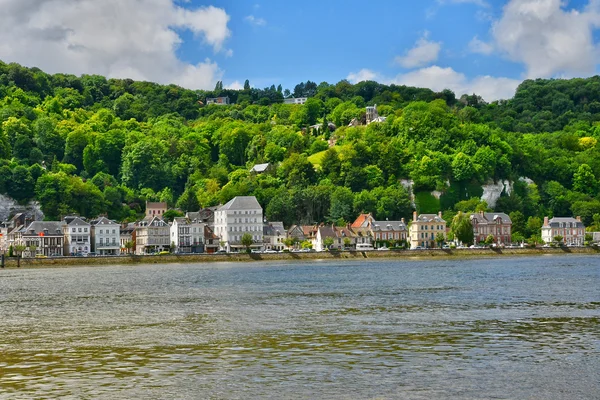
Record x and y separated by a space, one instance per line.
548 39
437 78
235 85
362 75
480 47
116 38
423 53
255 20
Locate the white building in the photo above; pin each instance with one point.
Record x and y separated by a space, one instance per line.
240 215
295 100
274 236
77 236
187 236
571 229
106 237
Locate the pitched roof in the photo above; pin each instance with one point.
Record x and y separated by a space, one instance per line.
361 220
103 221
491 217
241 203
150 204
429 218
388 226
260 167
556 221
273 229
327 231
47 227
75 221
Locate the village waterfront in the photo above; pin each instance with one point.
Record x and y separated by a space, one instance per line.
507 327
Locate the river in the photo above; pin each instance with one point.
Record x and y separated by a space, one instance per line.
496 328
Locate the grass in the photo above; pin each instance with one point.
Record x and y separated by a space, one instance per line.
316 158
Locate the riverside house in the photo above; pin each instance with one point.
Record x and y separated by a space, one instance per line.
152 235
425 228
274 236
571 229
106 237
496 224
45 238
77 236
241 215
187 235
382 230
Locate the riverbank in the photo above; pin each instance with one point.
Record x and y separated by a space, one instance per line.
234 257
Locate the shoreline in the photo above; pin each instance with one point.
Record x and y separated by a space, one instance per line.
11 263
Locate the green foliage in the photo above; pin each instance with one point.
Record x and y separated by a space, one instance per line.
91 145
462 229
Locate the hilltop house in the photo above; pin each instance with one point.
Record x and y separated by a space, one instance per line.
155 209
220 101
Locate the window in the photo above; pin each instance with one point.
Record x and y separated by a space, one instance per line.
74 230
101 231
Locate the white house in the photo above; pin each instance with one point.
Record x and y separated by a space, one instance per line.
240 215
106 237
77 236
295 100
188 236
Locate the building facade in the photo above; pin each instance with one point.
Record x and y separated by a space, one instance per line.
571 229
425 228
187 236
221 101
274 236
241 215
498 225
106 237
77 234
155 209
152 235
295 100
42 238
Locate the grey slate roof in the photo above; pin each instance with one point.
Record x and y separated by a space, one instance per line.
556 221
103 221
389 226
47 227
429 218
271 229
241 203
490 217
75 221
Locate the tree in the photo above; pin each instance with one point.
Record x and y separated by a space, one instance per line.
19 249
306 244
328 241
347 242
246 84
170 215
440 239
489 239
247 241
462 228
289 242
462 168
584 180
129 246
558 239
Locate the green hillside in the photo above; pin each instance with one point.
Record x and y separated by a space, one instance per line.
92 145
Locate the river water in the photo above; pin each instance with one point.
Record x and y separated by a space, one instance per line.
498 328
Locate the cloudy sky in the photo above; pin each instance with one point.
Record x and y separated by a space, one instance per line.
481 46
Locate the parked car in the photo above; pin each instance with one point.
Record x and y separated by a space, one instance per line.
383 248
163 253
270 251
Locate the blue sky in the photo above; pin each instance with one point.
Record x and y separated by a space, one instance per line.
482 46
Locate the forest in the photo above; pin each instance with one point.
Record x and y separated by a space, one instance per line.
90 145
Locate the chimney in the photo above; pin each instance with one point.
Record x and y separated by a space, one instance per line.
545 221
440 214
578 218
481 213
414 215
402 219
